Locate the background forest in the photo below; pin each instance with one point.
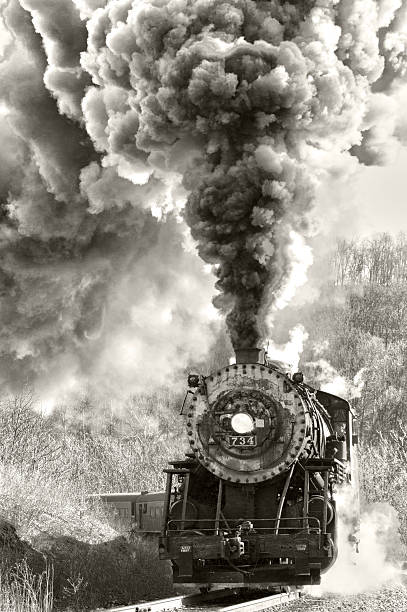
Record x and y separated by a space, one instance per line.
356 337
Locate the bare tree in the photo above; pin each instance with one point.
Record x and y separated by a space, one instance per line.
26 437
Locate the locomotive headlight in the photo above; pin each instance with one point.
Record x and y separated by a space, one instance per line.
242 423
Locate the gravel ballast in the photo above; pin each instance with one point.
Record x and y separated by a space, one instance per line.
389 599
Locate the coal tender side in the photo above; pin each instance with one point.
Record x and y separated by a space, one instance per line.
253 503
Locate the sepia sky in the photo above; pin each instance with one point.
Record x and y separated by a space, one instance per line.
381 192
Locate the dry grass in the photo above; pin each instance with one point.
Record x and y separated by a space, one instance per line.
23 591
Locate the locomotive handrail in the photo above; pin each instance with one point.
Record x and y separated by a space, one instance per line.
257 520
313 522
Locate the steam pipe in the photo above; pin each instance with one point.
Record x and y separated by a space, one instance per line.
283 496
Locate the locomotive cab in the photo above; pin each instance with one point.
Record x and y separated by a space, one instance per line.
253 503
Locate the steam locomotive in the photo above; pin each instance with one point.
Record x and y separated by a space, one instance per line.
253 502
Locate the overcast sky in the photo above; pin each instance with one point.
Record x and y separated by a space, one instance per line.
382 195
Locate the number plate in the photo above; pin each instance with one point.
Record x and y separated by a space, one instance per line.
242 440
185 548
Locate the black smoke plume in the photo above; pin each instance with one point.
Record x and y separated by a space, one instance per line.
251 92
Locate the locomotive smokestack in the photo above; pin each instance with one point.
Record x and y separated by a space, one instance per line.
250 355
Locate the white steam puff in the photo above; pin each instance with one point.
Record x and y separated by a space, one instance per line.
379 548
290 352
326 378
116 115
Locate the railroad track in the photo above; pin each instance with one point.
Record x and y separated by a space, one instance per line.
196 603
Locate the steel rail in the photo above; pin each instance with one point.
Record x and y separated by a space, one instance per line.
159 605
263 603
182 601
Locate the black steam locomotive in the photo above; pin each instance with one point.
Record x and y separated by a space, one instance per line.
253 503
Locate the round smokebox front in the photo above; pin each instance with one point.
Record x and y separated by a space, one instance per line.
244 424
249 427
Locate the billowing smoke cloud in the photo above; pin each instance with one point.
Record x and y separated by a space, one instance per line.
155 317
86 269
120 114
239 97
